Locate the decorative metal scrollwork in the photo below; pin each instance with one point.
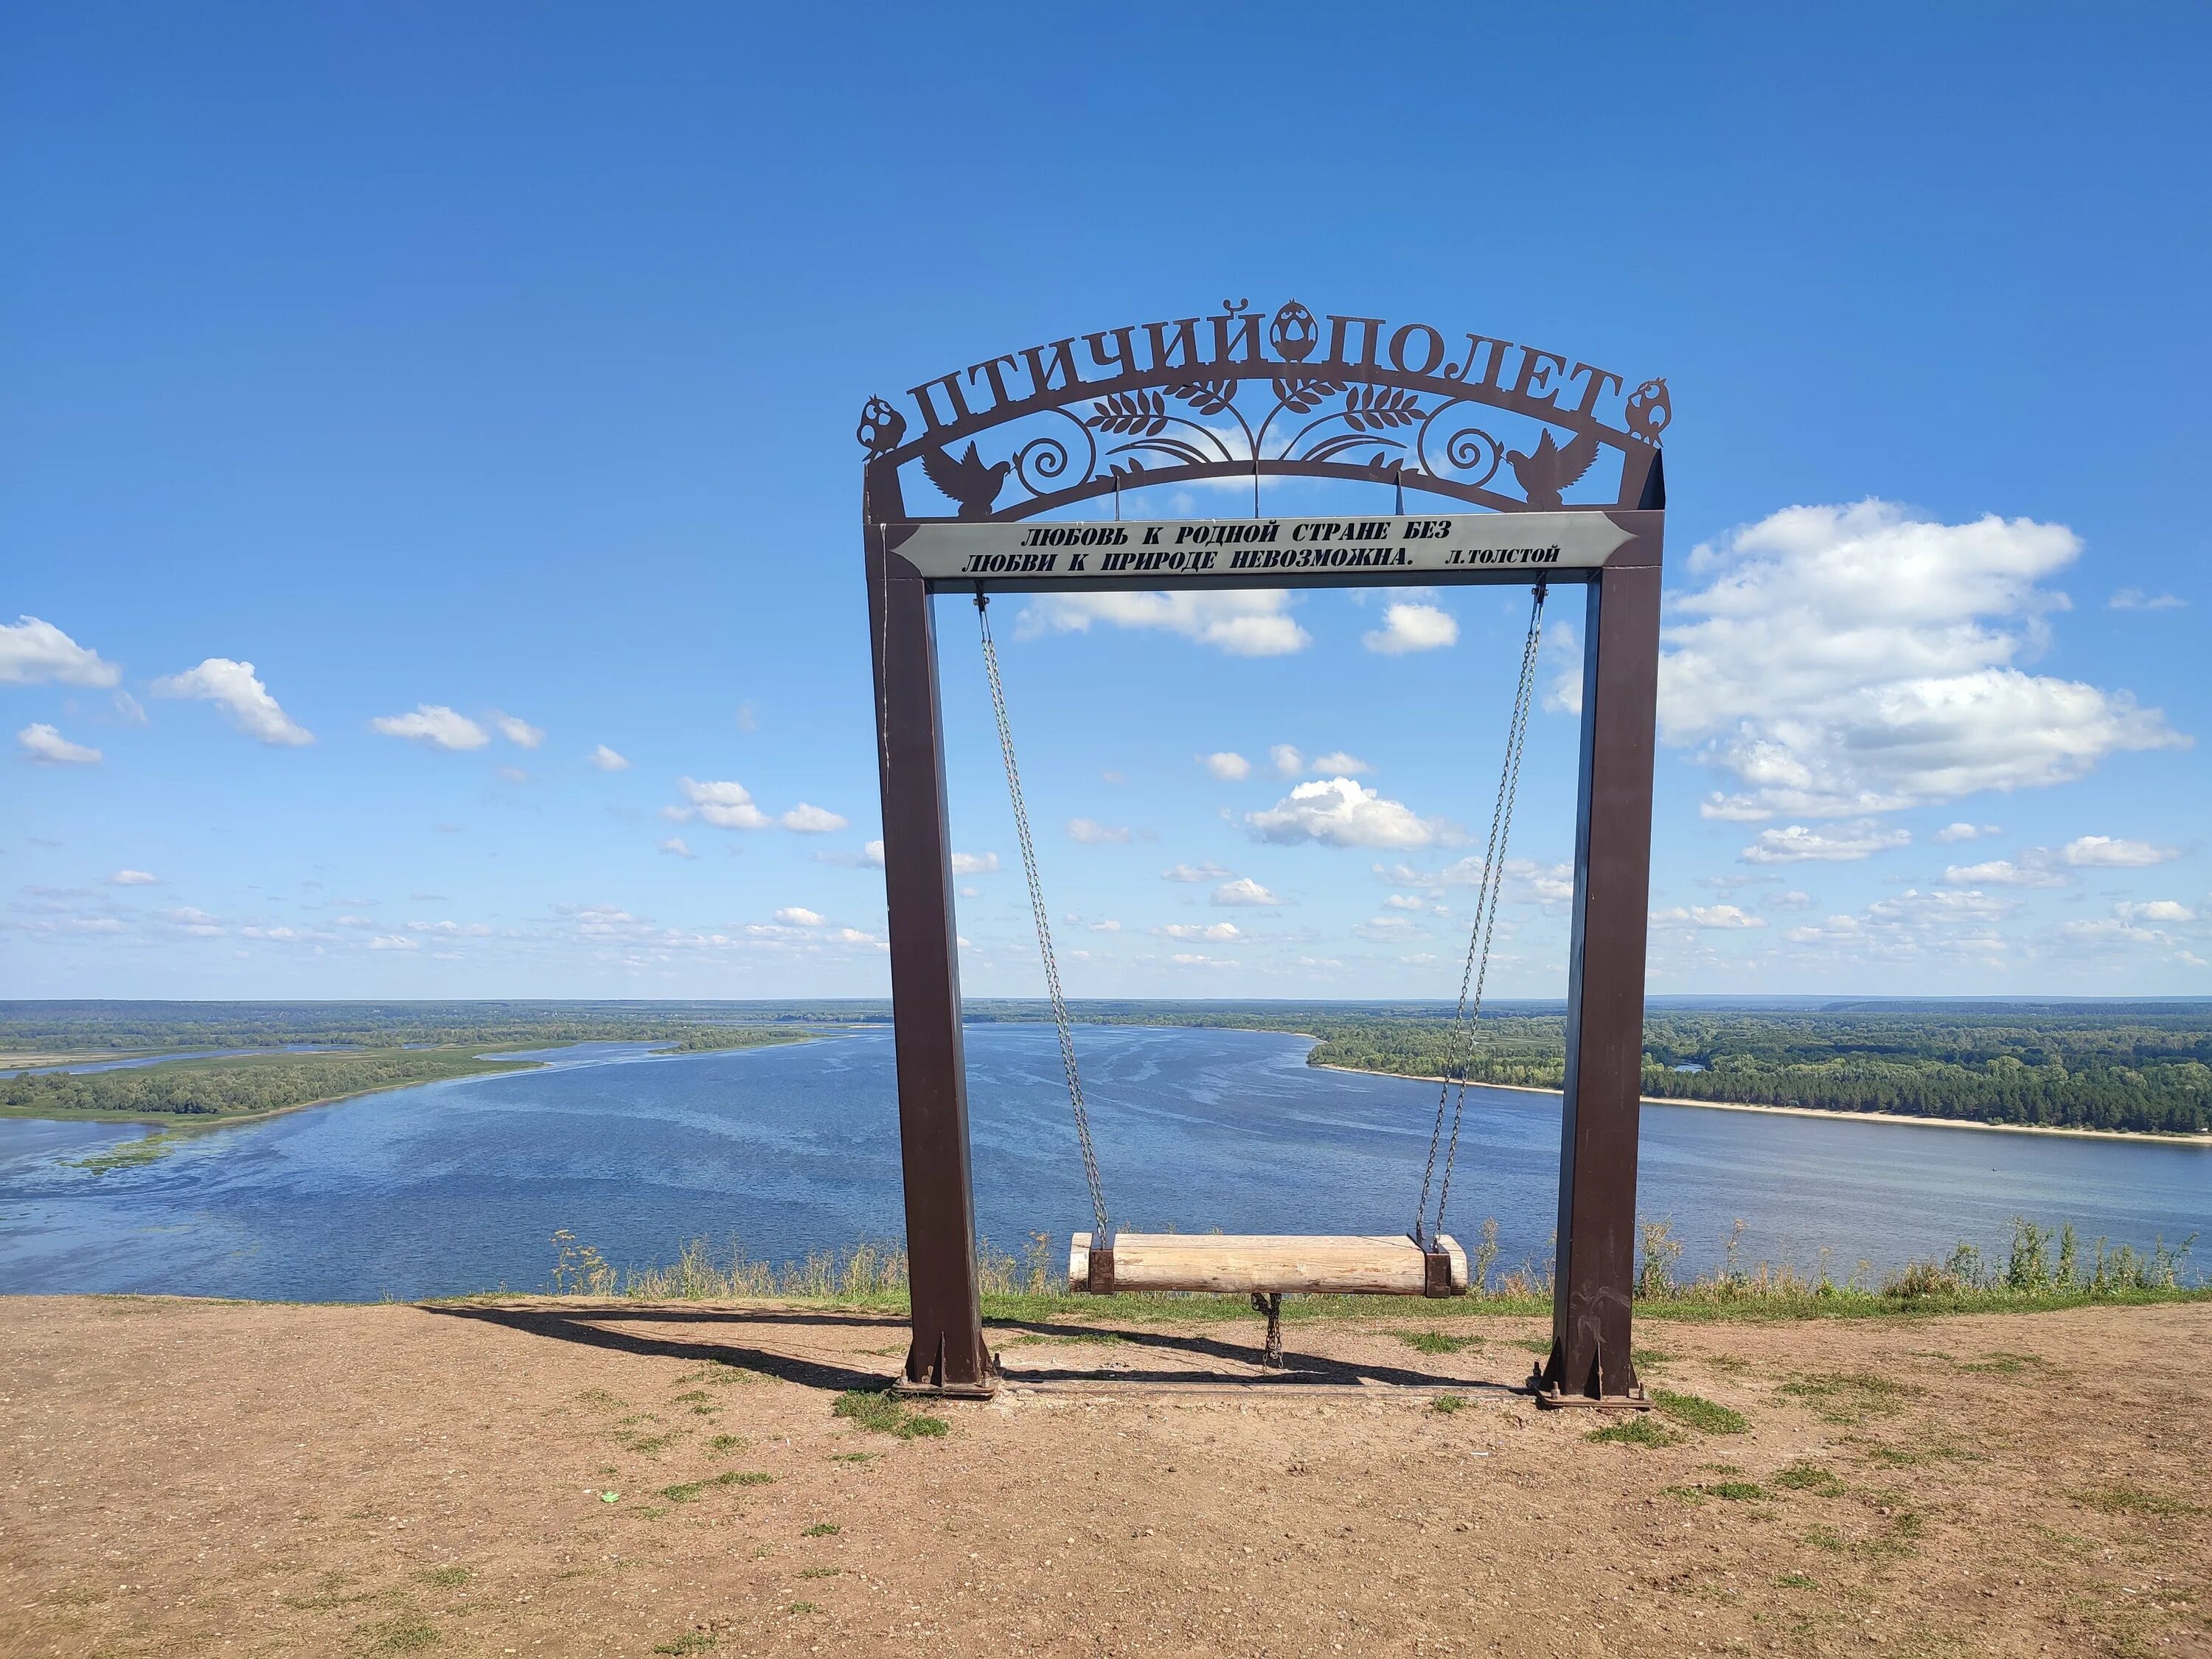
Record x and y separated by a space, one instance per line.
1248 394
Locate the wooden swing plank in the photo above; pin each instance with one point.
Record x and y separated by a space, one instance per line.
1234 1263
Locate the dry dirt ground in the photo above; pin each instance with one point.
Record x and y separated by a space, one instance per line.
551 1477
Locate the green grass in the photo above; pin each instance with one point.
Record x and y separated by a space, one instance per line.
2120 1498
883 1414
687 1491
822 1529
1810 1477
692 1641
1793 1581
1698 1412
1824 1538
1438 1341
1848 1397
1730 1492
404 1633
445 1578
1637 1430
803 1607
1448 1403
723 1444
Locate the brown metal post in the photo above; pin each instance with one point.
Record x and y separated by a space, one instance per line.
1589 1359
948 1354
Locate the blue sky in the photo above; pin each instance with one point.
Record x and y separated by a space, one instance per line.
502 364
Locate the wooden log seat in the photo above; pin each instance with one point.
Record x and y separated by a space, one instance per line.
1268 1264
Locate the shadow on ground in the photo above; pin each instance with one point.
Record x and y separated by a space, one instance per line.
739 1336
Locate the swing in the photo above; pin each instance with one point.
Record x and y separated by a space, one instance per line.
1427 1261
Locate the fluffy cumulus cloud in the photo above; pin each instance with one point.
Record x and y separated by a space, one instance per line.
1951 833
235 689
1954 924
1286 760
44 746
606 760
1409 627
1339 812
517 730
725 805
964 864
1254 622
1219 932
805 820
133 878
1337 763
2002 872
35 653
1844 660
798 916
1227 766
436 725
1722 917
1841 843
1244 891
1089 832
1208 871
2111 852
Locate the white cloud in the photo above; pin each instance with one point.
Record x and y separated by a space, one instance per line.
2134 598
1249 623
676 845
2108 853
796 915
804 820
1337 763
516 730
1388 929
512 774
1404 902
1244 891
435 724
133 878
1092 833
1208 871
1722 917
873 852
1845 842
190 920
42 744
2155 910
1411 628
1849 660
33 653
393 942
607 761
964 864
1220 933
233 688
1227 765
1287 760
2002 872
1343 813
1108 926
1958 832
725 805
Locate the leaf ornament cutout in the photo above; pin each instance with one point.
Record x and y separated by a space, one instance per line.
1371 409
1304 397
1130 411
1207 397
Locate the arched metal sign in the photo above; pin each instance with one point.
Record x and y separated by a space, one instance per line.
1525 464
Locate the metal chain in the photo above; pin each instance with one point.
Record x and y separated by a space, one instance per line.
1476 971
1103 1236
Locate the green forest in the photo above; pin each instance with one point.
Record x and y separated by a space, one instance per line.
2147 1069
2141 1066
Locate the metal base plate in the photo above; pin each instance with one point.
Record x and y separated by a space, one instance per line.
1553 1400
907 1390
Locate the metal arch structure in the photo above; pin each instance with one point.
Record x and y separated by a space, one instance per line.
1525 464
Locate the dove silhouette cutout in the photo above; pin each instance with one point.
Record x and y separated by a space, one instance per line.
1551 469
967 480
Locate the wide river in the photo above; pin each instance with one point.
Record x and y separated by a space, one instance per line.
458 1185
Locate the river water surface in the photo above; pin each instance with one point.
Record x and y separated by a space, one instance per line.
458 1185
